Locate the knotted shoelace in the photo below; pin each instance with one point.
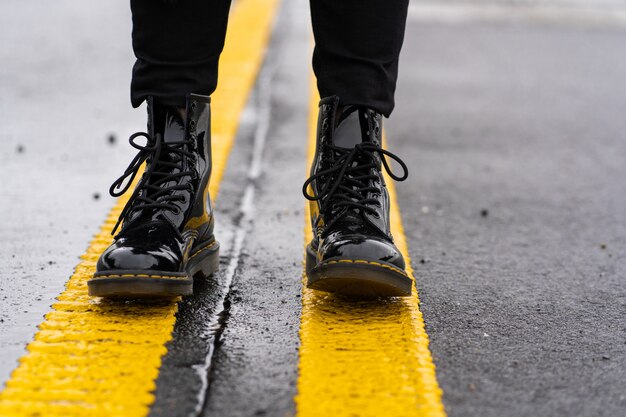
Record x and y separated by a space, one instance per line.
348 181
157 194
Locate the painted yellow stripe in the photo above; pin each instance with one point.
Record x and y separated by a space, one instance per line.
249 30
97 358
366 358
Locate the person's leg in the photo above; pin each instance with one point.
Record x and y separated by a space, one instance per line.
357 45
165 234
177 45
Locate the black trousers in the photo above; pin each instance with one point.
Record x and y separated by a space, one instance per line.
357 45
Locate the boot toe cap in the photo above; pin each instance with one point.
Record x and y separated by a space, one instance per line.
137 252
357 248
118 257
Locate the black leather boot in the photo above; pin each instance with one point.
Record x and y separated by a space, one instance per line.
352 251
166 234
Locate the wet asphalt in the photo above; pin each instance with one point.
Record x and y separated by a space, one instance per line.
64 118
252 370
514 208
516 205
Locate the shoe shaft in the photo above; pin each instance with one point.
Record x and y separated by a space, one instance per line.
347 129
194 214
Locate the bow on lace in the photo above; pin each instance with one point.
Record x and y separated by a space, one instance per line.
157 194
348 181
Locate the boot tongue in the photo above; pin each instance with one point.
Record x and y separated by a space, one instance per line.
174 126
168 122
351 129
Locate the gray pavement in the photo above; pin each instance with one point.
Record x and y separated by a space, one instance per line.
253 368
514 208
516 203
64 77
256 360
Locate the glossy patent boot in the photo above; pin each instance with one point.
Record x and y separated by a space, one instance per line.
166 234
352 251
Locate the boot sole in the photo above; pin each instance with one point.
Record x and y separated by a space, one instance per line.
131 284
356 278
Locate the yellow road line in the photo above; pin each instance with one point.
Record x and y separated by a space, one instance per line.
249 29
366 358
96 358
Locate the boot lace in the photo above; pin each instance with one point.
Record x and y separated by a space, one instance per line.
347 182
158 173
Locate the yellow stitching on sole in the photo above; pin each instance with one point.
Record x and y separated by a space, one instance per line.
203 249
363 261
141 276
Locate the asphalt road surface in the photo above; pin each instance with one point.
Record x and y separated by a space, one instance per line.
511 118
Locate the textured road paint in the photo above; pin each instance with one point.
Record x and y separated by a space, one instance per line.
248 34
365 358
92 357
